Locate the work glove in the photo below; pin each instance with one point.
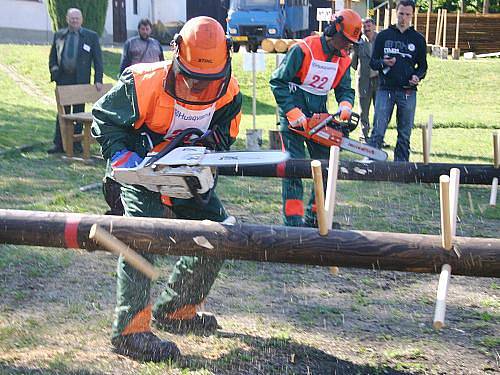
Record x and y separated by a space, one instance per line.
345 110
125 159
296 118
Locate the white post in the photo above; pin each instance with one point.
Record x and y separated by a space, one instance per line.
254 91
494 189
440 310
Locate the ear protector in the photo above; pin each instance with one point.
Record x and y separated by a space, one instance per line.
334 26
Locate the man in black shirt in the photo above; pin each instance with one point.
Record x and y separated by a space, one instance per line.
399 55
141 48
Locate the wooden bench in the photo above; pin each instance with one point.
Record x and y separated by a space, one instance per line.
71 95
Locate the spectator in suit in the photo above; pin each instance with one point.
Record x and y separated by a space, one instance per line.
73 51
141 48
367 78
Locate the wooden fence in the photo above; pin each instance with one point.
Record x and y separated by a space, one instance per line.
477 32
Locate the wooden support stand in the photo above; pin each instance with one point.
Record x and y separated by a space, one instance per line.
455 53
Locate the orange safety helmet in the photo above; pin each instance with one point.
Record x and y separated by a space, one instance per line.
201 67
348 23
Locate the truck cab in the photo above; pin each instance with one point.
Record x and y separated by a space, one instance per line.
251 21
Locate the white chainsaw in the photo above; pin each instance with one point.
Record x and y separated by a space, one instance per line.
187 172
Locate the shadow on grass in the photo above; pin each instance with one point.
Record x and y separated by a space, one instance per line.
277 355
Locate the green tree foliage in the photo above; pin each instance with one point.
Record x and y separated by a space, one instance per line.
94 13
471 6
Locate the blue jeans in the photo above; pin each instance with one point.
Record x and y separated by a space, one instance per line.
406 101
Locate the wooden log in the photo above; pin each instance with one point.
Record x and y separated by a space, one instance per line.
267 45
474 174
360 249
457 32
281 45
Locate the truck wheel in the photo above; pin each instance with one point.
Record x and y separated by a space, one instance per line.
236 47
255 47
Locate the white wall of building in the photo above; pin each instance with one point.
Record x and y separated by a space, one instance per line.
29 21
169 10
29 15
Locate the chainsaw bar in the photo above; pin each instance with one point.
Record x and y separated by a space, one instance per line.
199 156
363 149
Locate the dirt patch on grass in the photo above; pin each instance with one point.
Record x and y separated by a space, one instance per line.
279 319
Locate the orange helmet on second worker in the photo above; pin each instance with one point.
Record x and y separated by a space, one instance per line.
348 23
201 68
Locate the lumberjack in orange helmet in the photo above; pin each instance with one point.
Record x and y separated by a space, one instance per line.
201 67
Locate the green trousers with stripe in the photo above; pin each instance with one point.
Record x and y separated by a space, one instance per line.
191 278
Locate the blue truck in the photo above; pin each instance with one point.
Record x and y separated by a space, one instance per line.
251 21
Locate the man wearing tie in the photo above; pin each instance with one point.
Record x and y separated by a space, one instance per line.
73 51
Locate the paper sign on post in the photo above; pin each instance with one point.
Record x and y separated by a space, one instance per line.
260 62
324 14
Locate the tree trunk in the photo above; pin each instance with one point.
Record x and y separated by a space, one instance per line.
370 250
475 174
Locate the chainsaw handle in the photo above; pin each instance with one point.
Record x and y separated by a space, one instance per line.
350 124
176 142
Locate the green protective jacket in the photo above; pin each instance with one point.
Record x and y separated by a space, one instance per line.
117 111
307 102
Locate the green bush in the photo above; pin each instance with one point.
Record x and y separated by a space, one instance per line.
94 13
471 6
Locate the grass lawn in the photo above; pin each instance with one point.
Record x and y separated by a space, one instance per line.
57 305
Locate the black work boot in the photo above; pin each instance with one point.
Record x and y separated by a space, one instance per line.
202 323
145 346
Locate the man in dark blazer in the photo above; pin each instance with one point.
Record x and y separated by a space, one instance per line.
73 50
367 78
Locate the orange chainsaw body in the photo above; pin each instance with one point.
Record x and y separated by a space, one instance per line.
318 131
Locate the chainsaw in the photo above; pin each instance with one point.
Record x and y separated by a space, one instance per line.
328 130
185 172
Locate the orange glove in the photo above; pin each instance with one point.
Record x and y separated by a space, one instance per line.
296 118
345 109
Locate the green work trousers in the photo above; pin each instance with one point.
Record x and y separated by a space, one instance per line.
292 188
191 278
